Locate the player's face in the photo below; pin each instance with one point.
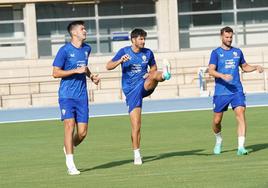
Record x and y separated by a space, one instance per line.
138 42
80 32
227 39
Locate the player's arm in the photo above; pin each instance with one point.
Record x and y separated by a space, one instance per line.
93 77
59 73
250 68
212 72
113 64
153 68
59 62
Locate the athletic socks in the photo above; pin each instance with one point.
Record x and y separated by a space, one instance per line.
166 75
218 138
137 153
241 142
70 161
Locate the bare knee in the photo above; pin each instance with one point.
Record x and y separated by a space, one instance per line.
136 126
240 111
153 75
83 133
217 121
69 126
135 118
217 118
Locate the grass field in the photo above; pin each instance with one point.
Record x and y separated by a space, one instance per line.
176 148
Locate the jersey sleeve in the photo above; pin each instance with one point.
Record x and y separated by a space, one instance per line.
60 58
152 59
242 59
89 49
118 55
213 58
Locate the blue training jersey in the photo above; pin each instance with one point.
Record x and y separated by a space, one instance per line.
135 68
69 57
227 62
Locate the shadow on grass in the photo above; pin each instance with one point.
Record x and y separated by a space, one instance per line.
146 159
257 147
252 148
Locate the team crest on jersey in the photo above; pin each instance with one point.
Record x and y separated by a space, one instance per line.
221 55
63 111
144 58
235 55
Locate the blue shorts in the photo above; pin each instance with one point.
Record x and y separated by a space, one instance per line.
134 98
221 102
74 108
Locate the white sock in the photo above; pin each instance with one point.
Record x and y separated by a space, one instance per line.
218 138
163 75
70 161
165 68
241 141
137 153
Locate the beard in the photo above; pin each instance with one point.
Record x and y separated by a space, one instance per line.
228 44
141 45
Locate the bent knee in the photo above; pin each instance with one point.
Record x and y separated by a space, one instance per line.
217 121
82 134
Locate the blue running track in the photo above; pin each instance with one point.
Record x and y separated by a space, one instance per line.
111 109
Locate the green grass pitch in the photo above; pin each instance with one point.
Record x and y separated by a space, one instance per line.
176 148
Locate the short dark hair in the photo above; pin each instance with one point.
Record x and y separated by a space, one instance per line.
73 24
138 32
227 30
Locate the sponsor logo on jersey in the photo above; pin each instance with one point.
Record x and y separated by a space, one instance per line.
81 65
229 64
135 68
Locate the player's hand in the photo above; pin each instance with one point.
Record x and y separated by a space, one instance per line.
146 76
81 70
95 78
125 58
227 77
259 68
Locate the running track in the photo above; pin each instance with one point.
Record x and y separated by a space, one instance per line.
112 109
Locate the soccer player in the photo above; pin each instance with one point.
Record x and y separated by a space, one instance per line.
137 82
224 66
70 65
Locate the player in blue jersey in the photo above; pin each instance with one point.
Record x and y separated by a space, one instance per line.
224 66
137 82
70 65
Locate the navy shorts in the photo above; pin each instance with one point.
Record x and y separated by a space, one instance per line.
221 102
135 97
74 108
